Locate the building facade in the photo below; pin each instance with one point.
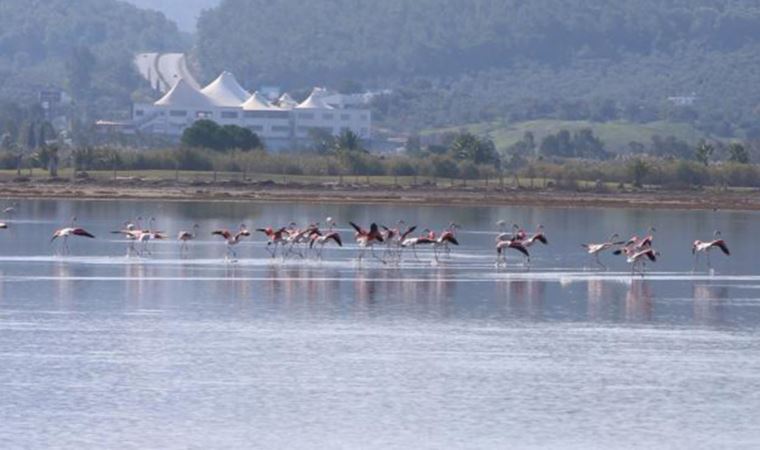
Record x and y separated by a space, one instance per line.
281 123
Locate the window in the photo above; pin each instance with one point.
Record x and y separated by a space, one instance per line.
345 117
229 115
280 129
328 116
306 116
364 117
139 112
256 128
204 114
178 113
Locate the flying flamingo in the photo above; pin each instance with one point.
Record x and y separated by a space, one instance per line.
318 239
11 210
706 246
367 238
232 239
71 230
503 246
596 249
187 236
275 238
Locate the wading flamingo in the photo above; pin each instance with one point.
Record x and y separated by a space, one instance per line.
597 249
706 246
186 236
275 239
232 239
367 239
503 246
71 230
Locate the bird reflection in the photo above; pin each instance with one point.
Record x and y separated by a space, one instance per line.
64 285
525 298
600 293
638 302
709 303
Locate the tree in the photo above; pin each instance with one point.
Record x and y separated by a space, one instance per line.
737 153
704 152
79 68
209 134
638 170
468 147
322 141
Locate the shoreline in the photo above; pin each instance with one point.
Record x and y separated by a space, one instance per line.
426 195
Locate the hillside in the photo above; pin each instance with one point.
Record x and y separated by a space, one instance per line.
184 12
85 46
463 61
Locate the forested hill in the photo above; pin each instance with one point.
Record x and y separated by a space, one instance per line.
482 59
183 12
84 45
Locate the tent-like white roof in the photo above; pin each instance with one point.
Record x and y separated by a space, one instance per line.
315 100
226 91
258 102
182 95
286 101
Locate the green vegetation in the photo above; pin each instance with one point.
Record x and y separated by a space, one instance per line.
85 46
209 134
616 136
451 62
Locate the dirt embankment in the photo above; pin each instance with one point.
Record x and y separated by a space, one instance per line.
417 195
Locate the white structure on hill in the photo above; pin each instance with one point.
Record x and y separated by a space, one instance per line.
224 101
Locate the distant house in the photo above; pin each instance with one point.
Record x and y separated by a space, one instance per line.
684 100
280 123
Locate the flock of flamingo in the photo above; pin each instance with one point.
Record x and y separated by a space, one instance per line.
310 241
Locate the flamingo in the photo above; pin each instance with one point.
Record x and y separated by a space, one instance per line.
394 238
367 238
706 246
187 236
446 238
538 236
232 239
503 246
320 240
11 210
504 235
638 257
71 230
275 238
413 242
131 233
596 249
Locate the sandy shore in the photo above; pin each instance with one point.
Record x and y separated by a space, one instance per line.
422 195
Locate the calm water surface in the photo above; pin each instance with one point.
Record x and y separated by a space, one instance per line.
101 350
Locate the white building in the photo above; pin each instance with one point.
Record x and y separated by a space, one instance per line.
227 103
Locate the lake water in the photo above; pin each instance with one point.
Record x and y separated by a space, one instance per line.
98 350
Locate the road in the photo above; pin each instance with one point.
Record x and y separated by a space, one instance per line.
164 69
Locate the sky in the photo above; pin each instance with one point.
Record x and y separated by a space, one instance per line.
184 12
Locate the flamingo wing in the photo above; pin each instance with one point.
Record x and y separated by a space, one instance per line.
82 232
721 244
450 238
542 239
336 237
357 228
223 233
651 255
408 232
520 248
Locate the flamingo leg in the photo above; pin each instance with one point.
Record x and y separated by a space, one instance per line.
709 263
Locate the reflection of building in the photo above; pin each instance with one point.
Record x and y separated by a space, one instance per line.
227 103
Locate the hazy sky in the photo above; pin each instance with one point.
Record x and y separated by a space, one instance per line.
184 12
